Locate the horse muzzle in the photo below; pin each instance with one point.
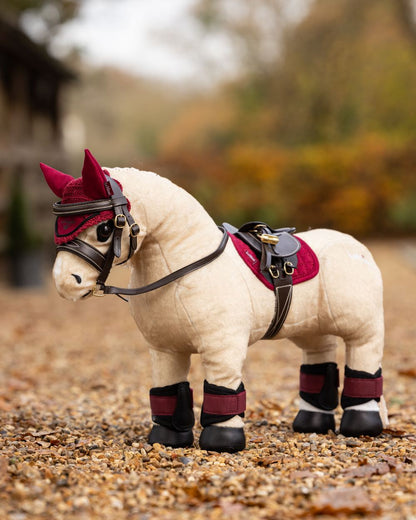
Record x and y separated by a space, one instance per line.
74 279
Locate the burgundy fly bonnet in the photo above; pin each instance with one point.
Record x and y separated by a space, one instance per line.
87 201
94 185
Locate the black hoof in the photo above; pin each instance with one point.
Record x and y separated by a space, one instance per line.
172 438
358 422
313 422
217 438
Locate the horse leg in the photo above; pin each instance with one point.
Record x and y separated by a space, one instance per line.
362 397
353 291
224 400
318 387
171 400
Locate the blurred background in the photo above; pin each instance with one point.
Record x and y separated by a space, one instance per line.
296 112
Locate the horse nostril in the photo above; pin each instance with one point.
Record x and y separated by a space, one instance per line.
77 278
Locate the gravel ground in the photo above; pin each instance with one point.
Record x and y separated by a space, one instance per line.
74 415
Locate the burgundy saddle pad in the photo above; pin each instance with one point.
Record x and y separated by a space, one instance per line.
308 263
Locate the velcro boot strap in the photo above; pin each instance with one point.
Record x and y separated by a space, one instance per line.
318 385
172 406
225 404
221 403
165 404
363 388
311 383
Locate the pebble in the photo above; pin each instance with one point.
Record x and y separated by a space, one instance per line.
186 460
353 443
70 451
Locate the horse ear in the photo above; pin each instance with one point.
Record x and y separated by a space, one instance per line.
93 178
56 180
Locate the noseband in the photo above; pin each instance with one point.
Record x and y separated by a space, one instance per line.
118 203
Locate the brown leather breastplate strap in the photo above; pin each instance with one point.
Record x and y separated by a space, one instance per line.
109 289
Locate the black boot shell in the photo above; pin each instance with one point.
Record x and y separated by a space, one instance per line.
222 438
313 422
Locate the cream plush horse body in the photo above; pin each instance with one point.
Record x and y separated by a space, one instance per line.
219 310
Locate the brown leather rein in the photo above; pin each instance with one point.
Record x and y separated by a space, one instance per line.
103 263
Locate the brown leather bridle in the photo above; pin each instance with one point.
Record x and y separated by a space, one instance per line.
118 203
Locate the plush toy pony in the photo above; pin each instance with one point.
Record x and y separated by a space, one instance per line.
198 288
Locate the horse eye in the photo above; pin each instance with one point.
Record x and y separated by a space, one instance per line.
104 230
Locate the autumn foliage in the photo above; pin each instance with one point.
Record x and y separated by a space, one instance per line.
316 128
321 133
362 189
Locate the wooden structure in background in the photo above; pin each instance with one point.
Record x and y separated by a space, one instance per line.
31 83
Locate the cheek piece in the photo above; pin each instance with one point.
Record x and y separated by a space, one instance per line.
116 202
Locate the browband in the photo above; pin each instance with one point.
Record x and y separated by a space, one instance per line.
80 208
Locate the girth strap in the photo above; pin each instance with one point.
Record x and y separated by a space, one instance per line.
283 300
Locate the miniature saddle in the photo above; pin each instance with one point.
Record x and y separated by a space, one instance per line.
277 251
275 248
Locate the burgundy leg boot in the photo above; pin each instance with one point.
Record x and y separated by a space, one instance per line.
172 413
319 394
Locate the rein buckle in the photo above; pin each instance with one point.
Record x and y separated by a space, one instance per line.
98 290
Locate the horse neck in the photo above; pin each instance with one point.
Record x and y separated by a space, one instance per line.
178 229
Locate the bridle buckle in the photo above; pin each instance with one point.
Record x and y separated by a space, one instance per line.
120 221
134 230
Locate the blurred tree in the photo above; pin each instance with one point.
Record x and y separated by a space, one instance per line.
254 27
122 116
344 69
44 16
407 14
318 128
347 70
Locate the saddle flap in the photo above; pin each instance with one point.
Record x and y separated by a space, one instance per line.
250 233
287 246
